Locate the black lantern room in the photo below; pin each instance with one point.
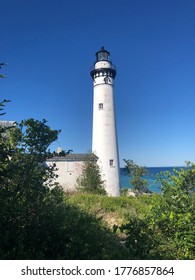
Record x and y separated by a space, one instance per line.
105 69
102 55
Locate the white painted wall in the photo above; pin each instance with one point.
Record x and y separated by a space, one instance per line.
103 64
104 137
68 172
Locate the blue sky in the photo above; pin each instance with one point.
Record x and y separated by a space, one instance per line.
50 46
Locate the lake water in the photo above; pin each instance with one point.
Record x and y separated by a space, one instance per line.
150 177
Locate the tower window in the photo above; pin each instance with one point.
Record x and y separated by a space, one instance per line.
111 162
100 106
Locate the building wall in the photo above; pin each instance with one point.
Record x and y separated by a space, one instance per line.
68 172
104 137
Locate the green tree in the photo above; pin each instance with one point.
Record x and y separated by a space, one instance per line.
136 174
166 231
24 181
90 180
5 149
27 150
36 221
173 212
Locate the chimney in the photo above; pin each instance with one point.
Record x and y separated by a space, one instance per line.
59 150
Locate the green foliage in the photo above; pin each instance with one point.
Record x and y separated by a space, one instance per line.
40 222
117 208
167 230
124 191
36 221
90 180
173 212
5 148
136 173
182 179
24 151
44 226
23 184
34 137
141 240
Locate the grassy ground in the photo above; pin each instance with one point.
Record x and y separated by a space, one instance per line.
112 210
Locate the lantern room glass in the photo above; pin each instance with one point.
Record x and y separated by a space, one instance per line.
102 54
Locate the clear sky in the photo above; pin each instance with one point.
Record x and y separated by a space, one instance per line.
50 46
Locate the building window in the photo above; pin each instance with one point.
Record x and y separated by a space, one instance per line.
111 162
100 105
70 167
107 80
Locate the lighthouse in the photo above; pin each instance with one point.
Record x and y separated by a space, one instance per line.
104 135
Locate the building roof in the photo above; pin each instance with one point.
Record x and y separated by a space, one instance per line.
5 127
72 157
7 123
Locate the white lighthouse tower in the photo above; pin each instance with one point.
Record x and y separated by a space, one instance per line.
104 138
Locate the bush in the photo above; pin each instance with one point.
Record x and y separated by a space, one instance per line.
167 230
45 226
36 220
